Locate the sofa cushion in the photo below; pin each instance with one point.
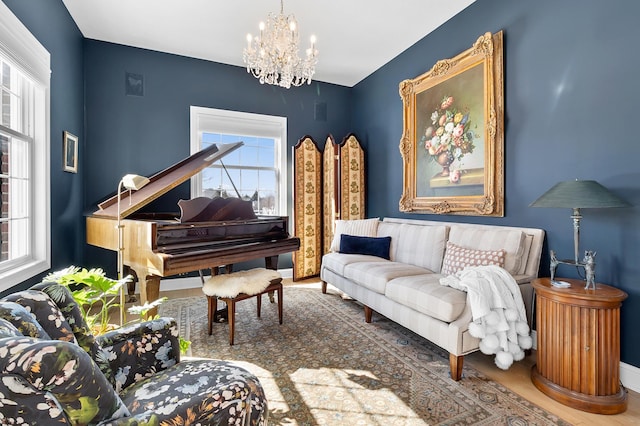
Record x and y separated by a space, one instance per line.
373 246
457 258
424 293
480 238
375 275
392 230
419 245
359 227
526 250
336 262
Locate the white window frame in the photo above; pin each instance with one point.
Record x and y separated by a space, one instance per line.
25 52
212 120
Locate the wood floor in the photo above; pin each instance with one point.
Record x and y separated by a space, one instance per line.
517 378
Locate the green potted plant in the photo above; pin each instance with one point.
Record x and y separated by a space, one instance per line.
96 294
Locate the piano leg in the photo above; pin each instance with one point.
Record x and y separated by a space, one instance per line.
131 285
271 262
149 292
215 314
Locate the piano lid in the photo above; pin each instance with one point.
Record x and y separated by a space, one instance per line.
164 181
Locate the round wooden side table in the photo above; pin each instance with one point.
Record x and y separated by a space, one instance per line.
578 355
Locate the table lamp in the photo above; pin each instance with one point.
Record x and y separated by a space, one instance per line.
576 195
129 182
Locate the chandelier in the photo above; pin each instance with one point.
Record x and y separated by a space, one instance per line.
272 57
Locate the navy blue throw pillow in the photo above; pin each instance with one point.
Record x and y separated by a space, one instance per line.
373 246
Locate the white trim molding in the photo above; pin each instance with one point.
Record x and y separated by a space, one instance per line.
194 282
203 119
630 377
24 52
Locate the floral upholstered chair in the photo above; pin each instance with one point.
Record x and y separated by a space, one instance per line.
54 371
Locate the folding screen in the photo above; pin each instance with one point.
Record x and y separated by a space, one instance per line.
340 174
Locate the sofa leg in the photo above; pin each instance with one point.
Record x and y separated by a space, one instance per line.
455 365
324 287
367 314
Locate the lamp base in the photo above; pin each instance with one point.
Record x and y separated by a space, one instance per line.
588 263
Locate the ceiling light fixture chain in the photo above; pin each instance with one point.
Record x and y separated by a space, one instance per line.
272 57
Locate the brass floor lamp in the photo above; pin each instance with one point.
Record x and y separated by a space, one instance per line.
129 182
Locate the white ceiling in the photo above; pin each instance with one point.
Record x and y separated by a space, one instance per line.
354 37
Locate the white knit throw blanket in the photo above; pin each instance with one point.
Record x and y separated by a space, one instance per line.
249 282
499 316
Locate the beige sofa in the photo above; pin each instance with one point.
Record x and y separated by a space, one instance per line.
406 288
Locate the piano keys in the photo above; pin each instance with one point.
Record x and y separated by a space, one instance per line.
159 244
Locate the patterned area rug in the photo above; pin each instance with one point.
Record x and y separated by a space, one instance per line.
325 366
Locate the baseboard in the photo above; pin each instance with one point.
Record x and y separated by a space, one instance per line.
629 375
195 282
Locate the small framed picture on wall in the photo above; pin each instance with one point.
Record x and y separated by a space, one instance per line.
70 152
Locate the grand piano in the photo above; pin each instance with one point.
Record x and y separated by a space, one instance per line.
157 245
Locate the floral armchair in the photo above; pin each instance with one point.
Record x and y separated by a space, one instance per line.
54 371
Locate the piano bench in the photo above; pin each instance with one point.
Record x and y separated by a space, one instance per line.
274 286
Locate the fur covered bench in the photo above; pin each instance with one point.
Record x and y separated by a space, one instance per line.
237 286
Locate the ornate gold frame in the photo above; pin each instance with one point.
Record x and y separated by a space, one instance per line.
489 180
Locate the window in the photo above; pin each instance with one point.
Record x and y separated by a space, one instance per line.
24 153
257 170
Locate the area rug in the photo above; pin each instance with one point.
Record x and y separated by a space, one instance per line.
325 366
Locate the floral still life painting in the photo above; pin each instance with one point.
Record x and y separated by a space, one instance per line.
448 138
452 162
453 134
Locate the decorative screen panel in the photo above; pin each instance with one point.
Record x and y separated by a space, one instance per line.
331 192
352 176
307 208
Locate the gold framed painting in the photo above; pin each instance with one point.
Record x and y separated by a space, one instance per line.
453 134
70 152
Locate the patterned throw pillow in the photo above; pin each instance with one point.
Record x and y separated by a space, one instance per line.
457 258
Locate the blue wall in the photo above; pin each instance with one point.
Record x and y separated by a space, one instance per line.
52 25
143 135
571 93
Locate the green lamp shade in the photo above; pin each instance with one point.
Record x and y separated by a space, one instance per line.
579 194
